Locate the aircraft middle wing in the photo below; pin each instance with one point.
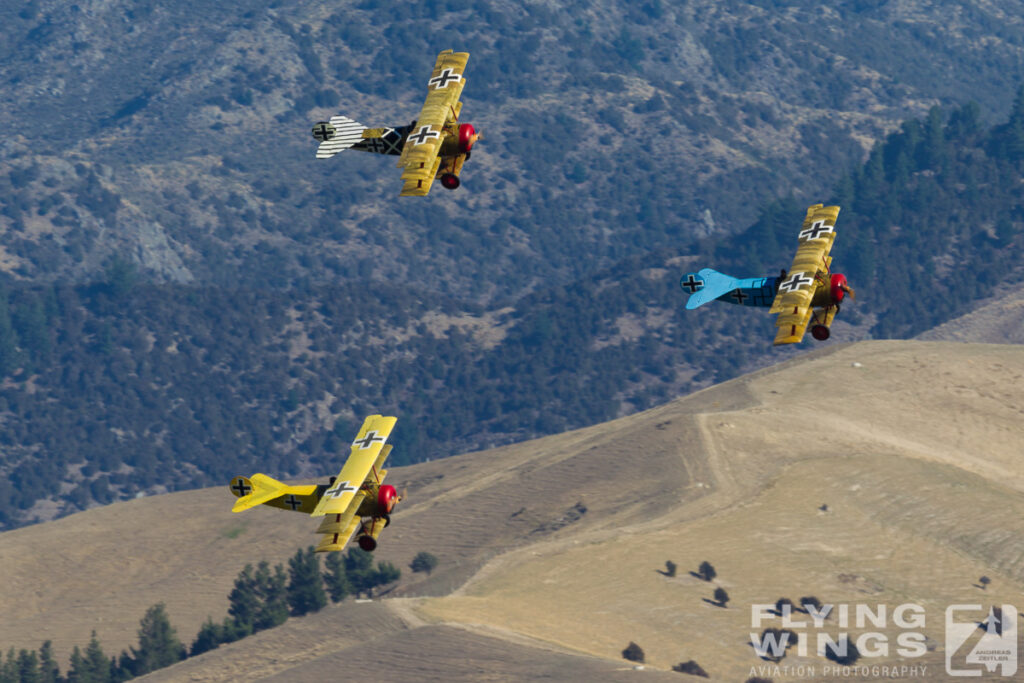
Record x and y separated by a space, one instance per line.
339 527
365 451
809 271
420 154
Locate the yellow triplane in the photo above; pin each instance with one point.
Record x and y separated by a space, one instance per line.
354 502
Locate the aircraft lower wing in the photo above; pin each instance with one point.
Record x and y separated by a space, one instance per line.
339 527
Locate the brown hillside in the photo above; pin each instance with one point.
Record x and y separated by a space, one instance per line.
914 447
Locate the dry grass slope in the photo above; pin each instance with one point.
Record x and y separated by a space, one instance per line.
913 447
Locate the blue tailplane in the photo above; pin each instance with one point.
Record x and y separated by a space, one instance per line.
708 285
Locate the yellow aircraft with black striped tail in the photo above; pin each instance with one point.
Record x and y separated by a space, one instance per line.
354 502
434 145
809 294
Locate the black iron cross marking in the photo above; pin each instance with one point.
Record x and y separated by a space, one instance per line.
739 295
340 489
368 440
293 502
817 229
323 131
692 283
242 488
444 78
795 281
375 145
423 134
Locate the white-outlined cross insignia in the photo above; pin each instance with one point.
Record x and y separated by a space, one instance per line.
323 131
292 502
796 281
691 283
340 489
816 231
242 488
444 78
423 134
368 440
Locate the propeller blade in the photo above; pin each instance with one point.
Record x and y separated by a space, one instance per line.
849 290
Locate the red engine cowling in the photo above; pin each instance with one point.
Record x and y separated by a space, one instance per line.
387 496
838 288
467 136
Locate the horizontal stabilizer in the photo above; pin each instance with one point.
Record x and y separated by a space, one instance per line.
257 490
336 135
706 285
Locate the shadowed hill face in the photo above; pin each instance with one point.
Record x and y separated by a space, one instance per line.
556 542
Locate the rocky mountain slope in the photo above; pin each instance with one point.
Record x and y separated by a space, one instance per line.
177 136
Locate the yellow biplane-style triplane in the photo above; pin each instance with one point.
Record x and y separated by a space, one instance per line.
354 502
434 145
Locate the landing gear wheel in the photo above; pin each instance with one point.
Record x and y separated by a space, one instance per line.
820 332
450 181
368 543
387 519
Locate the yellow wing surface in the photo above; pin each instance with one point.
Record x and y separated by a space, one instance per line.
366 449
419 159
263 490
809 272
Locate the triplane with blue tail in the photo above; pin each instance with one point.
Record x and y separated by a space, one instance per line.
808 294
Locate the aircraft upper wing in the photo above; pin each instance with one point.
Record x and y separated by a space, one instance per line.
809 271
420 154
364 454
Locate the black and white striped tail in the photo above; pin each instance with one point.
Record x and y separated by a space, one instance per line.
336 135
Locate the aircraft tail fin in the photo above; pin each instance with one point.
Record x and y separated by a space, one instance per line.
336 135
706 285
255 491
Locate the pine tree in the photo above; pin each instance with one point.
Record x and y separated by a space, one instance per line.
273 593
386 573
92 667
8 668
335 578
49 672
158 643
305 585
28 667
9 356
244 603
96 662
210 637
359 570
76 669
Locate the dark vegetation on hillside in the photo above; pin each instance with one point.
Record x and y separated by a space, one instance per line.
177 133
261 598
126 386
